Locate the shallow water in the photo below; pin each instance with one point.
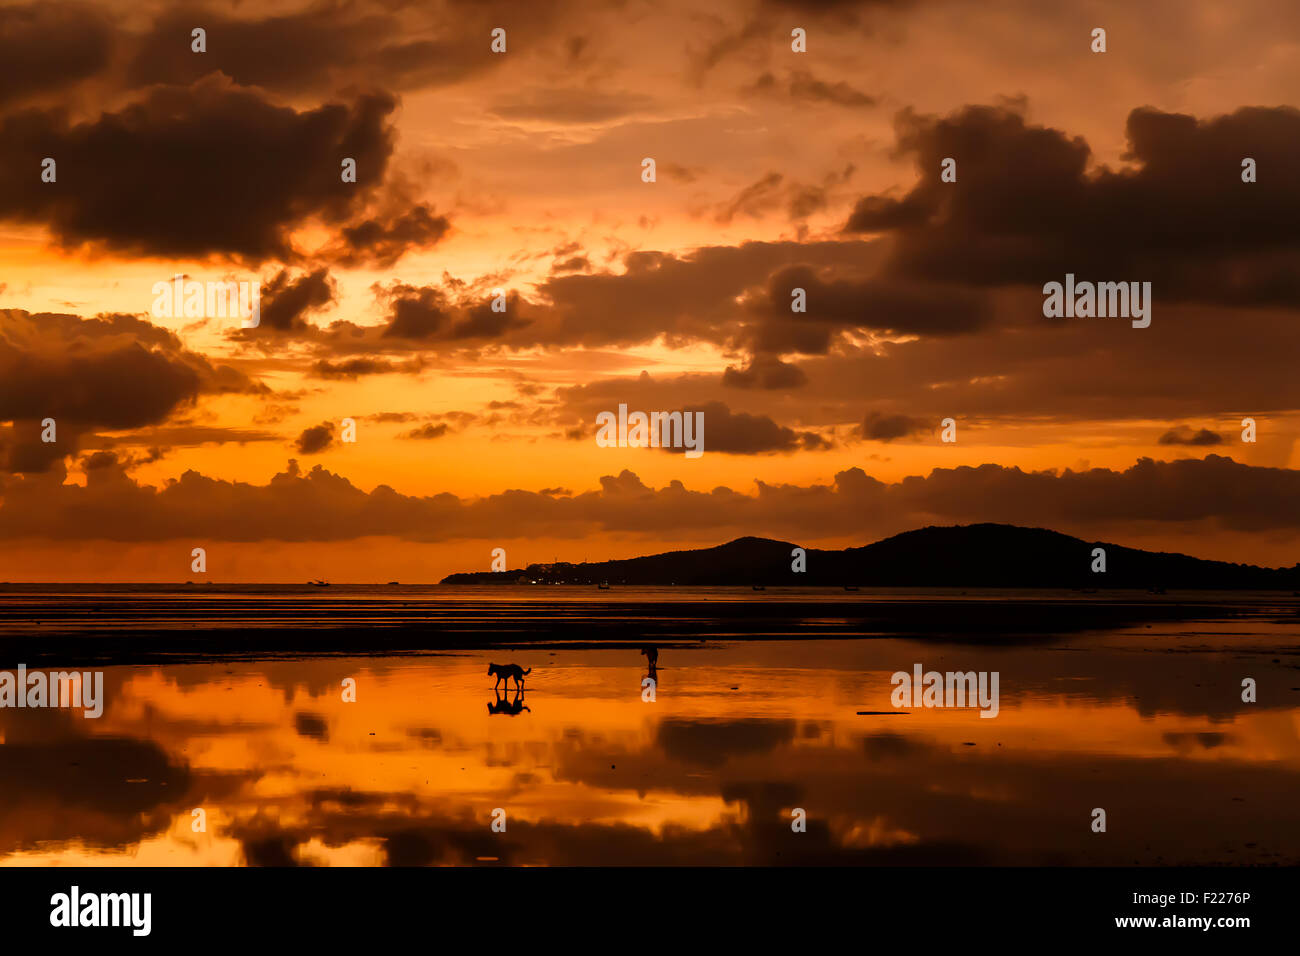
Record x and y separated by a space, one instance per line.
1145 722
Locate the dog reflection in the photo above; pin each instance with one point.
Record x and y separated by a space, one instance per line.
510 707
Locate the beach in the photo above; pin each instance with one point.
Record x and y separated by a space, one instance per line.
234 704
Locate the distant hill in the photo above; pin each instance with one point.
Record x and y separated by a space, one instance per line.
968 556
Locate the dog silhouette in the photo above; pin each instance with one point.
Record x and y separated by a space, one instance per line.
504 672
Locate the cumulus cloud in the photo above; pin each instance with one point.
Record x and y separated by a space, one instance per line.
739 433
879 426
158 177
48 46
1027 208
316 438
111 372
765 372
1186 495
381 243
1182 435
286 301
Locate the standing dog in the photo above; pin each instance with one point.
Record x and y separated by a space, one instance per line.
504 672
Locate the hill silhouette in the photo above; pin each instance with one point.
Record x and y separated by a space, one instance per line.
968 556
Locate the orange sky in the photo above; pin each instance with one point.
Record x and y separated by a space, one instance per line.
522 171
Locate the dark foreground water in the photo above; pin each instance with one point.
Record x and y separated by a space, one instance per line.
1135 709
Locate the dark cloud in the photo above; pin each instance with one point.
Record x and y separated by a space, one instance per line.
1026 208
1188 495
754 200
802 85
680 173
699 295
835 304
426 313
416 313
878 426
323 49
765 372
1182 435
725 431
112 372
356 367
116 371
572 264
427 432
166 175
22 448
718 294
49 46
390 417
772 18
739 433
773 191
378 243
286 301
316 438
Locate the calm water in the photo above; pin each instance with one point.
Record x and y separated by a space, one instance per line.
1145 721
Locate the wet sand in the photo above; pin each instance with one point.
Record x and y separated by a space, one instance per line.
1129 704
69 625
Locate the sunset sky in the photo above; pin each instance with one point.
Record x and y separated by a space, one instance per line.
522 171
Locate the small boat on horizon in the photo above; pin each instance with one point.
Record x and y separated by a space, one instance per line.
603 586
759 587
320 584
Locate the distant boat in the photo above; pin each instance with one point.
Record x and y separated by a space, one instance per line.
320 584
759 587
603 586
850 587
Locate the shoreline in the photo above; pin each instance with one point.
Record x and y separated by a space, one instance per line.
106 628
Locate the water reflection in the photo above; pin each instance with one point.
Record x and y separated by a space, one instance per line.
1149 726
512 707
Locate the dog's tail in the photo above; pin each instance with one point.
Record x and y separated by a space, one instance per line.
529 671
